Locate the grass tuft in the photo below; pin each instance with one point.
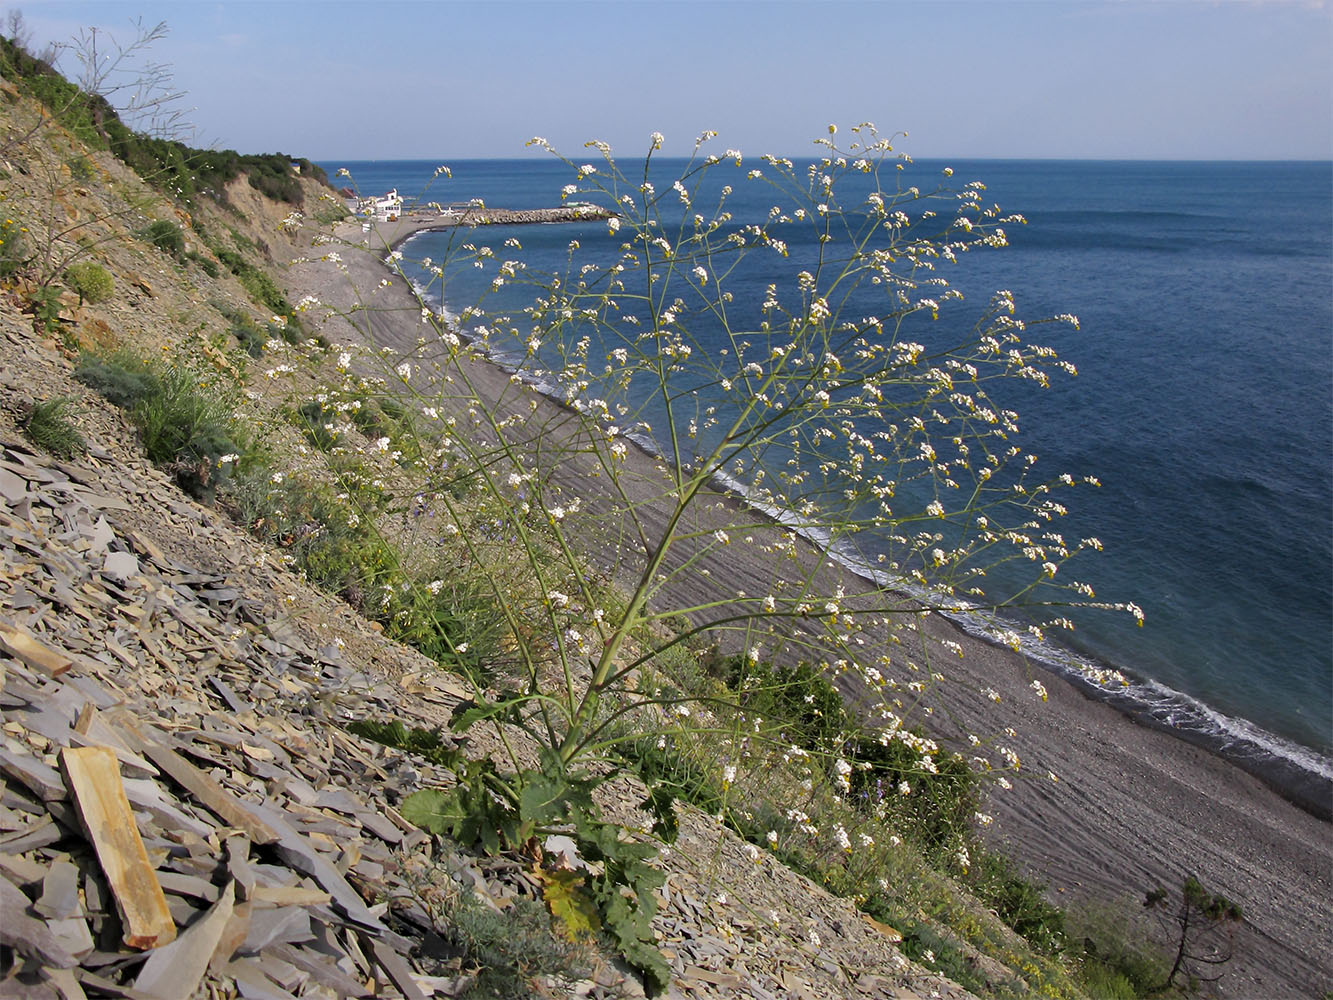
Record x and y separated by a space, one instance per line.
49 427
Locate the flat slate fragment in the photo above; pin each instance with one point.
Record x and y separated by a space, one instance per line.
19 644
26 934
173 972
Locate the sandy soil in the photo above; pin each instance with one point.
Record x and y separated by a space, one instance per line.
1133 807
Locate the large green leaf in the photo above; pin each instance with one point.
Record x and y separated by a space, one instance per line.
435 809
543 799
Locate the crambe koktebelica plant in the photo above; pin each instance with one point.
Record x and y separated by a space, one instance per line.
811 359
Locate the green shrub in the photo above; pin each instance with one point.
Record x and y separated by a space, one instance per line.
91 282
681 774
166 236
188 429
44 303
48 426
314 421
800 698
811 714
923 944
1017 900
1116 963
262 291
250 337
386 417
330 538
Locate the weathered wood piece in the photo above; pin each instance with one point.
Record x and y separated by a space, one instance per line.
22 646
174 971
93 776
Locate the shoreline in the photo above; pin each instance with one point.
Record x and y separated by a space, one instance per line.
1270 757
1134 806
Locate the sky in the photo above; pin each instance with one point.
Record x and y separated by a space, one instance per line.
1094 79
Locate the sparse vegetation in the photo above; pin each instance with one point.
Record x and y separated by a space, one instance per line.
14 252
505 953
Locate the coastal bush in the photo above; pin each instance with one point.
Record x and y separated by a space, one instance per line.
45 305
1017 900
166 236
208 266
81 168
841 407
91 282
122 376
326 530
1116 959
264 292
319 430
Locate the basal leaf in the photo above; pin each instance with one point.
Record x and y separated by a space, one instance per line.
574 910
434 809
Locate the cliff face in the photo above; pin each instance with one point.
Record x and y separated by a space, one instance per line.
176 775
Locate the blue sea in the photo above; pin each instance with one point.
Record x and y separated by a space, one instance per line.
1203 403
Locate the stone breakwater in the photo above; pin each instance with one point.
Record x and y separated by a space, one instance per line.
530 216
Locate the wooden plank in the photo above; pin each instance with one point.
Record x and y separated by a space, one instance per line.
93 777
22 646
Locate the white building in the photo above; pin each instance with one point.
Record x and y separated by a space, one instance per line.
385 209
